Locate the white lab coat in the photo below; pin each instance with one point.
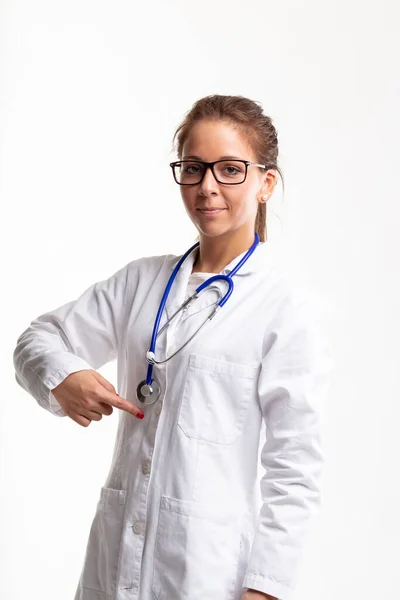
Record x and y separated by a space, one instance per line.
213 491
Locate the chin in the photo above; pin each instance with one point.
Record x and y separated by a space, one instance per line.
212 232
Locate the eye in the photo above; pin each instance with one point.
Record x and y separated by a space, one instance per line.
233 171
191 169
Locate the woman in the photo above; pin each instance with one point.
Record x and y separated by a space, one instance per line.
180 515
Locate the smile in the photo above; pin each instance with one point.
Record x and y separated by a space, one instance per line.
208 212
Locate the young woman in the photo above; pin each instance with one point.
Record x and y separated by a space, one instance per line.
185 513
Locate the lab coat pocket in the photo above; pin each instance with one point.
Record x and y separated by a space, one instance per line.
196 552
100 567
215 399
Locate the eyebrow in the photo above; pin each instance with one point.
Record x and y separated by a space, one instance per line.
220 158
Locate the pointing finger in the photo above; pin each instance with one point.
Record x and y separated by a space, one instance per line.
123 404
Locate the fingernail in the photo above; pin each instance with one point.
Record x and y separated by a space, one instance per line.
140 415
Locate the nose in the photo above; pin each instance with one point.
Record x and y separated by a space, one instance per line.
208 183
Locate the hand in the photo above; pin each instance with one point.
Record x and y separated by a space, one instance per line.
86 396
251 594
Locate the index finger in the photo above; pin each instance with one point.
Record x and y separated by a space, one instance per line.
123 404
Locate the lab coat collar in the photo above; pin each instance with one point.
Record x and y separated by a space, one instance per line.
258 261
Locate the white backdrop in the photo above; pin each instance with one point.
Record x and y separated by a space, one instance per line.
91 94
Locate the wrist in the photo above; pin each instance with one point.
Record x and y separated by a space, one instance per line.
251 594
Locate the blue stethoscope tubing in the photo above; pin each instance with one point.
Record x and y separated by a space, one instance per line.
150 355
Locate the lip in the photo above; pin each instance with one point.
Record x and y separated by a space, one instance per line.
210 211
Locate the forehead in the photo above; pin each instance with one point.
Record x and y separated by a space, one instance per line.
209 140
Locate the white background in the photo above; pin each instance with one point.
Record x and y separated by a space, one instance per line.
91 94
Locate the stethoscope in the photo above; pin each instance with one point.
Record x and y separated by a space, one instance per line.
149 391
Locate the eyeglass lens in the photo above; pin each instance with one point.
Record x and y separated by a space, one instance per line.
191 172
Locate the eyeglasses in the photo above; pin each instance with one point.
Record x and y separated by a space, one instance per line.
230 172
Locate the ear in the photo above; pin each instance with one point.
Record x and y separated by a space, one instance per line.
268 185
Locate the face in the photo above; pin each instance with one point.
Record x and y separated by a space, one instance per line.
238 204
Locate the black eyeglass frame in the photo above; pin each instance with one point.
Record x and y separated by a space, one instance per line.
247 163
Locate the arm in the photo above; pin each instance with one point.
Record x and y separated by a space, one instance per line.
293 387
82 334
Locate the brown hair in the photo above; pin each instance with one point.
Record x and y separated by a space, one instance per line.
246 115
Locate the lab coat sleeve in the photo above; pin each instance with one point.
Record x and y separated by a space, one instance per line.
293 387
79 335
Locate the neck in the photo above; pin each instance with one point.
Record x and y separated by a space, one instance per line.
215 253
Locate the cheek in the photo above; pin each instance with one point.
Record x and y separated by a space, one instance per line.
243 204
187 199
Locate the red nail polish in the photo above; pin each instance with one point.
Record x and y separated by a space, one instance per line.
140 415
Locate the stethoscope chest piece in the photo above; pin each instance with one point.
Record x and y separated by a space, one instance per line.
148 394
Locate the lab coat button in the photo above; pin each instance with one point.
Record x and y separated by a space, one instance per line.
146 467
137 527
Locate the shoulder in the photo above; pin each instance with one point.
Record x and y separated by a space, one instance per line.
300 330
149 267
146 262
299 297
